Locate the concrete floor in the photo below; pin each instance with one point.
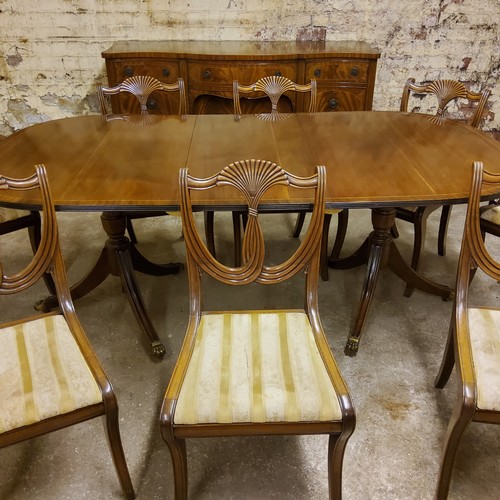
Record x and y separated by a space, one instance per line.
395 450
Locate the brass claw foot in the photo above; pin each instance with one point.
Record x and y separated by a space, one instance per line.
351 348
158 349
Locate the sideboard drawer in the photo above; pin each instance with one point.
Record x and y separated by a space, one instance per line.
352 71
162 69
209 73
342 99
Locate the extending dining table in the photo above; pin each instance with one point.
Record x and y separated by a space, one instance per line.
374 159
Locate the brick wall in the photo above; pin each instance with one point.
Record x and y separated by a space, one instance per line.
51 60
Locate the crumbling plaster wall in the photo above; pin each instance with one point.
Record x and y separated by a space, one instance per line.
51 60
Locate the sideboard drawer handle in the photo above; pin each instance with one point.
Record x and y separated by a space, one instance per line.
166 72
333 103
128 71
317 73
354 71
151 104
207 75
277 73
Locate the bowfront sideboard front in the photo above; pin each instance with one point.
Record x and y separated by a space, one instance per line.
344 71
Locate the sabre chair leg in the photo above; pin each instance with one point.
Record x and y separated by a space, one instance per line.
418 243
336 449
209 231
443 229
448 360
299 224
177 449
459 422
343 220
324 247
116 448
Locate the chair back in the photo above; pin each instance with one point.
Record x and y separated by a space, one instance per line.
274 87
474 253
47 257
253 178
142 87
446 91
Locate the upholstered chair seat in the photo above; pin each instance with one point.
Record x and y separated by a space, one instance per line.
492 214
232 376
484 328
44 373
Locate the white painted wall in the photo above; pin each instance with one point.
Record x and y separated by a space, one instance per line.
51 49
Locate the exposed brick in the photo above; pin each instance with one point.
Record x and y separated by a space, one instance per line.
54 48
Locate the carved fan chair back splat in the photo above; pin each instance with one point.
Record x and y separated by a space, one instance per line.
141 87
12 219
50 375
274 87
473 344
209 394
445 91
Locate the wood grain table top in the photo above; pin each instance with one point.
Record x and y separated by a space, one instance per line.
372 158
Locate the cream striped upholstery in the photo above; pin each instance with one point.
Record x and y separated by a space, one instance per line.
256 367
484 327
492 214
42 373
7 214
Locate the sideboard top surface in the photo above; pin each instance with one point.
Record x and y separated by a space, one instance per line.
252 50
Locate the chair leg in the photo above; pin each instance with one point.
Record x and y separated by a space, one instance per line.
209 231
35 235
324 247
443 229
394 231
299 224
237 238
448 360
177 448
336 449
343 220
115 444
420 226
459 422
131 232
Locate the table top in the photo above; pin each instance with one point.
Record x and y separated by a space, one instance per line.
372 158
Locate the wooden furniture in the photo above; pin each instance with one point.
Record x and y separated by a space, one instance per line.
50 375
145 90
345 71
393 164
445 91
473 343
290 383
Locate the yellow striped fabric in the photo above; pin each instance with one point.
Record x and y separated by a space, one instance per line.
484 327
492 214
7 214
42 373
256 367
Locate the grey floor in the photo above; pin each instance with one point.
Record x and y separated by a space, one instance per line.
395 450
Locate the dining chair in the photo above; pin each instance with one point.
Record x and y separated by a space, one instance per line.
13 219
473 344
274 87
50 377
255 372
445 91
142 87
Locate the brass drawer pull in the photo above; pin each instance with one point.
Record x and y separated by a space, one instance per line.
151 104
166 72
277 73
317 73
354 71
333 103
128 71
207 75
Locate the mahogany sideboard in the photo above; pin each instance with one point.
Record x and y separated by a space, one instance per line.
345 72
